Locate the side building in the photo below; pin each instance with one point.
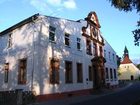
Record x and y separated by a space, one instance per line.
127 69
54 57
111 67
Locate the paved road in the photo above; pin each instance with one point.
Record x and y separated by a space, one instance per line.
124 97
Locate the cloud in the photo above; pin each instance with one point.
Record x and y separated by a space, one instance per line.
40 5
54 2
70 4
52 7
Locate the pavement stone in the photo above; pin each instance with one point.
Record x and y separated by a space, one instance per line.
83 98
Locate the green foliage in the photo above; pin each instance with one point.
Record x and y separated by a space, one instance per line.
138 66
126 5
129 5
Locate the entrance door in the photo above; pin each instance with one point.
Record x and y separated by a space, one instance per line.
132 77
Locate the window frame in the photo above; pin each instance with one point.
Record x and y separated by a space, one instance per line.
90 73
78 43
52 33
22 78
10 40
54 71
68 72
79 72
6 72
67 39
88 47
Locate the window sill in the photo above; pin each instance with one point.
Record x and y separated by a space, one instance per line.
67 46
52 41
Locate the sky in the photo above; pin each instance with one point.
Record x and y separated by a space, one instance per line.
116 26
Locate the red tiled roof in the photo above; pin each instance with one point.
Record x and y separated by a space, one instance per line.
126 60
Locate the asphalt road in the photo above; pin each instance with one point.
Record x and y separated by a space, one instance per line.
123 97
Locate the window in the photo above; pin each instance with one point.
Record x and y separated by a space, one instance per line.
105 53
115 74
111 74
52 33
78 43
9 40
109 55
88 47
54 71
95 49
107 77
95 32
90 73
113 57
67 39
101 51
6 72
22 71
68 72
79 73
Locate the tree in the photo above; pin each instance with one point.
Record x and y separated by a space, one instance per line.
129 5
138 66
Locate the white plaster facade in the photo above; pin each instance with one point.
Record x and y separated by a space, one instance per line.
31 41
129 72
111 63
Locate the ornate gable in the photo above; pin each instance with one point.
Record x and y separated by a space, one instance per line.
93 19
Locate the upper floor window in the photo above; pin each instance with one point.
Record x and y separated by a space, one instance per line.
78 43
113 57
95 49
109 55
6 72
52 33
101 51
22 79
9 40
105 53
88 47
95 32
67 39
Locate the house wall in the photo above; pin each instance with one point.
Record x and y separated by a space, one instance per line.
59 50
31 41
111 63
22 47
128 70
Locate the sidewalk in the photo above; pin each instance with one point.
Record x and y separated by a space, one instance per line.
78 99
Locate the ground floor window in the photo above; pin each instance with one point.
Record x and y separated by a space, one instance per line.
6 72
22 72
106 73
90 73
54 71
68 71
79 73
115 76
111 74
